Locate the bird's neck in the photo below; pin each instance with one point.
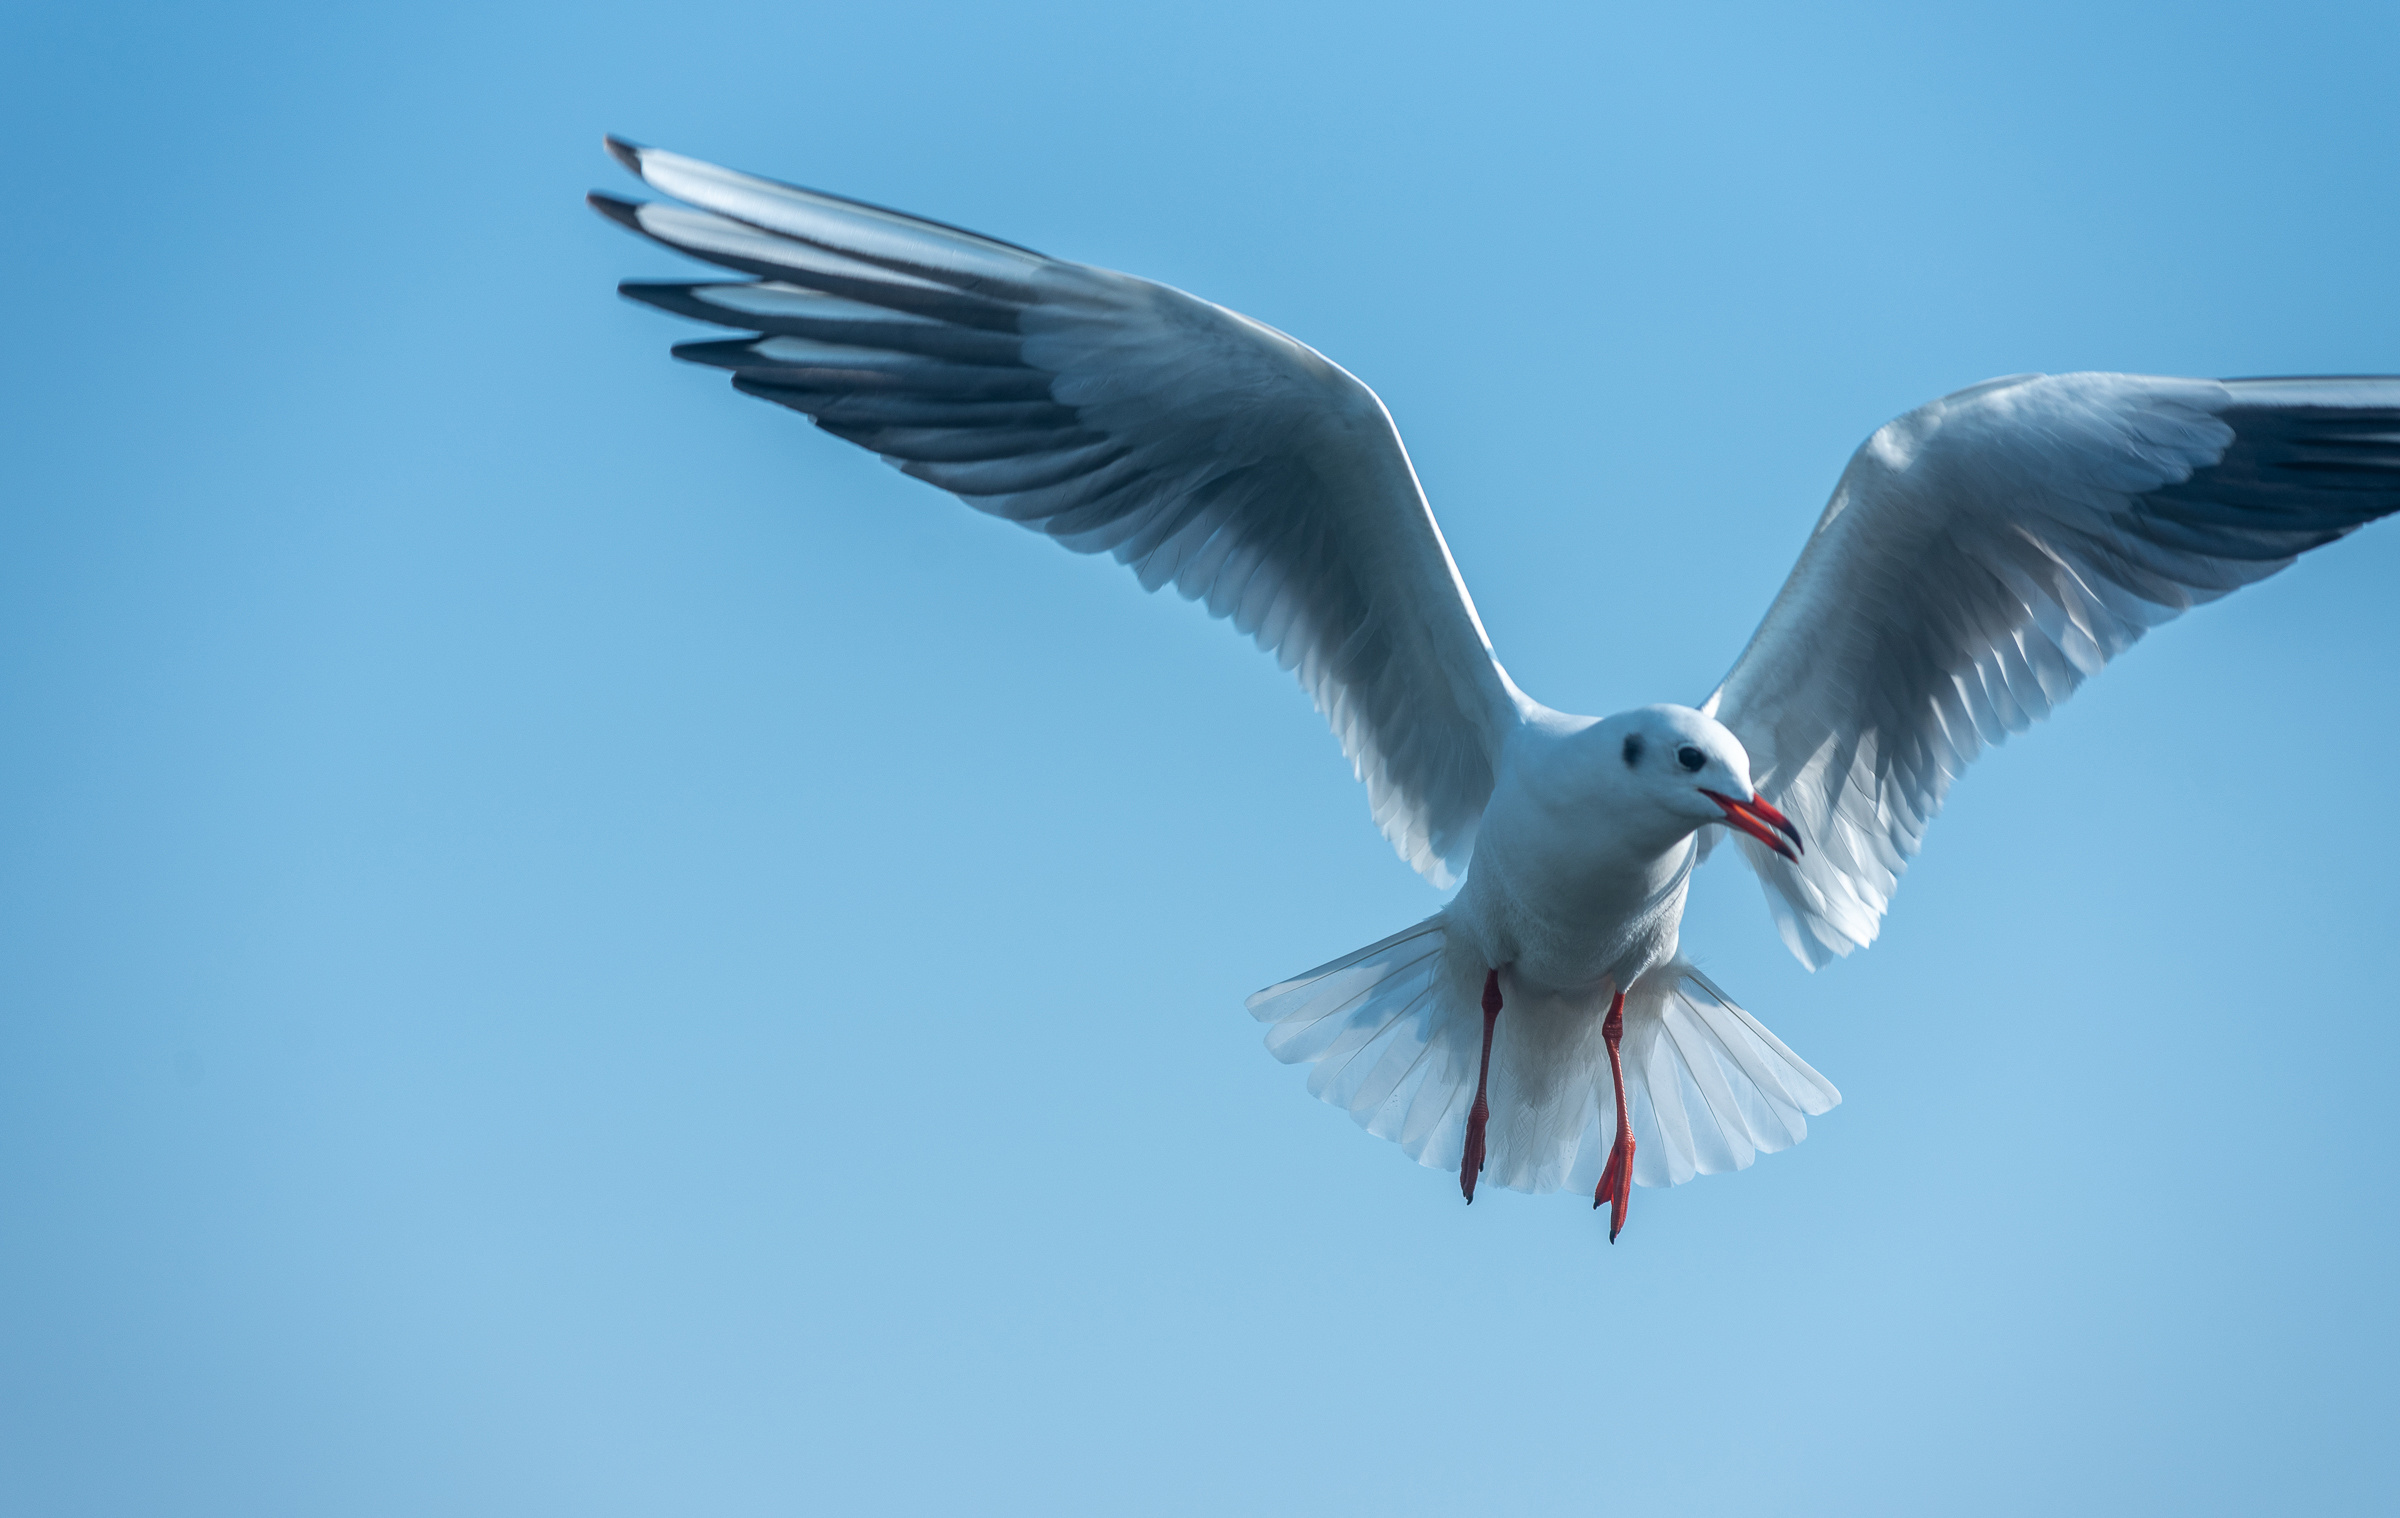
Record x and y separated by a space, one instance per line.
1568 840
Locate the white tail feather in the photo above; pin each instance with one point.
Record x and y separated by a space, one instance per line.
1395 1032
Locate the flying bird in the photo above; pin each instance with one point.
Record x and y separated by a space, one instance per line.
1980 558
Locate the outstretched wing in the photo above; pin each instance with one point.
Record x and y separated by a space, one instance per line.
1985 554
1197 446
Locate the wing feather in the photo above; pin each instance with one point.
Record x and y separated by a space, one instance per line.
1982 557
1118 416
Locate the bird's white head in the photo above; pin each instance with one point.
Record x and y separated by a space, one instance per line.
1692 767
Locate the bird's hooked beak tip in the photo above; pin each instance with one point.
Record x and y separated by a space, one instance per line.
1761 821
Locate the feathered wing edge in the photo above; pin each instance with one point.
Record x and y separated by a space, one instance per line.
2076 513
1117 416
1393 1035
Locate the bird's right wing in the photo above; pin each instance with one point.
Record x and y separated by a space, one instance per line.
1982 556
1197 446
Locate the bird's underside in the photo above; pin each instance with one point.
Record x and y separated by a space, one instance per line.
1979 559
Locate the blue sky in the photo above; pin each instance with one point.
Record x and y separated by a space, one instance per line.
569 945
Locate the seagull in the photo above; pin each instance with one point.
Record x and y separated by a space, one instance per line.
1980 558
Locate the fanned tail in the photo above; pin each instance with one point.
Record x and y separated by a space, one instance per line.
1711 1088
1381 1027
1394 1032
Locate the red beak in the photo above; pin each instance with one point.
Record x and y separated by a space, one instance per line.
1761 822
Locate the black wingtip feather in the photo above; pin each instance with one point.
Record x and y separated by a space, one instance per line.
626 153
625 213
723 353
673 298
806 402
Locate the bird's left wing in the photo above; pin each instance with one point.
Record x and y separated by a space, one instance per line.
1197 446
1982 556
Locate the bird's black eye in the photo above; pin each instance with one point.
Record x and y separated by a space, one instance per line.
1633 749
1691 758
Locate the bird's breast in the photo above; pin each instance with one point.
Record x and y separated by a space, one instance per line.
1568 920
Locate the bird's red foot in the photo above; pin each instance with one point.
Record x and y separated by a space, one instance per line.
1616 1181
1471 1164
1616 1185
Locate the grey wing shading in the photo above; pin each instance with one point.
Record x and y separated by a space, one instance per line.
1201 449
1982 556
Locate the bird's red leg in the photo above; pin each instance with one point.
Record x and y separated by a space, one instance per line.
1616 1182
1471 1165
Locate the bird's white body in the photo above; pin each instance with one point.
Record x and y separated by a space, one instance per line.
1578 884
1980 558
1582 867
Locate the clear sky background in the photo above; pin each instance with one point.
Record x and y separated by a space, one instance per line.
572 946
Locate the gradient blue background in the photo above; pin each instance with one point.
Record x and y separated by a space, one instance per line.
570 946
